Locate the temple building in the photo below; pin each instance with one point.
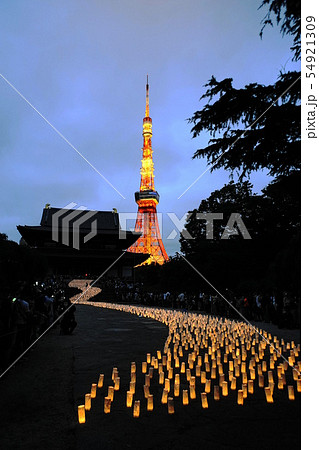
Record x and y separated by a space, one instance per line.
79 242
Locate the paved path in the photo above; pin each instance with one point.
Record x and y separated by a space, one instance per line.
39 397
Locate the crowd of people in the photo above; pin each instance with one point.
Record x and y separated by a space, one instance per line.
28 311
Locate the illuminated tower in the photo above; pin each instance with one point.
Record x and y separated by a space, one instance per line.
147 199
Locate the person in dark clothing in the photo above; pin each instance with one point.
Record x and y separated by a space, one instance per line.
68 322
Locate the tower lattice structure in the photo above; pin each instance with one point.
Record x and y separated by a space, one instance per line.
147 199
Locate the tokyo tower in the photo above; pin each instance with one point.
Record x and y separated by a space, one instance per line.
147 199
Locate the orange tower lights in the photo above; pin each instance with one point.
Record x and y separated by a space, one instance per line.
147 199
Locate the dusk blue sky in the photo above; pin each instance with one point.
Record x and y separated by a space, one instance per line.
83 65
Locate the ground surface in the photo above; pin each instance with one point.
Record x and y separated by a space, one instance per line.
39 397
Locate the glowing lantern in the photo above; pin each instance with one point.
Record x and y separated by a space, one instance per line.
213 373
170 405
81 413
252 374
204 400
144 367
261 381
295 374
298 385
164 396
221 379
233 385
177 363
176 390
225 388
291 393
147 380
110 393
272 387
136 408
264 366
203 377
167 384
117 384
259 370
164 360
192 392
268 395
150 403
159 355
237 371
133 376
197 371
161 378
280 383
240 397
129 399
207 386
243 367
146 391
151 371
188 374
148 358
270 377
93 390
87 402
250 387
231 366
107 405
183 367
244 389
114 373
101 380
244 376
132 387
185 397
220 369
192 381
216 393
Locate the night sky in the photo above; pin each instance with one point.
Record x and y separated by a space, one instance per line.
83 65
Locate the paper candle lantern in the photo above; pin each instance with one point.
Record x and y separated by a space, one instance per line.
207 386
185 397
177 378
159 355
192 392
101 380
231 366
237 371
81 413
233 384
225 388
261 381
213 373
129 399
192 381
87 402
240 397
264 366
136 408
244 389
244 377
110 392
250 387
252 374
133 376
272 387
93 390
188 374
291 393
298 385
117 384
243 367
132 387
161 378
164 396
148 358
144 367
203 377
204 400
221 379
280 383
107 405
268 395
197 371
183 367
146 391
114 373
147 380
164 360
170 405
167 384
176 390
170 374
150 372
150 403
270 377
220 369
216 393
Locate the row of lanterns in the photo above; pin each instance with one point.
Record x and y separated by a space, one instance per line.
220 354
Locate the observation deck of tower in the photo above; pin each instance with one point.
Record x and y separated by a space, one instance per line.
147 199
